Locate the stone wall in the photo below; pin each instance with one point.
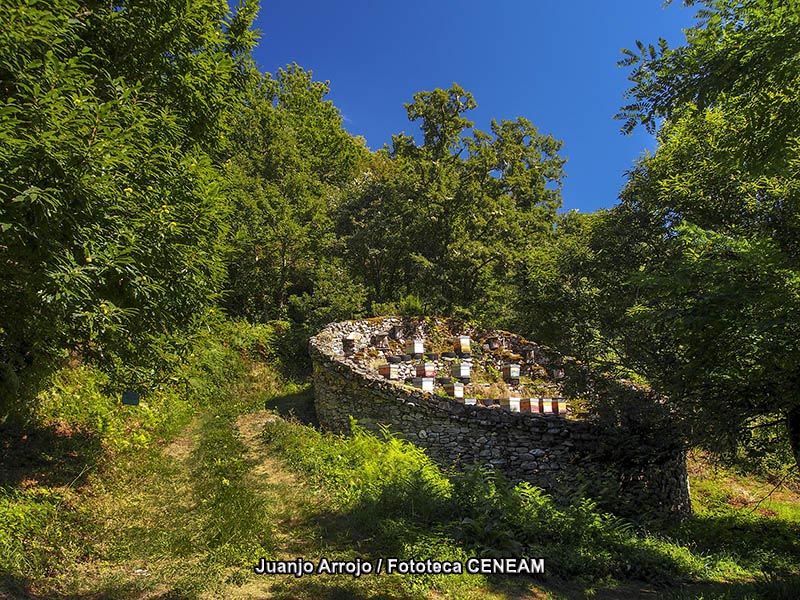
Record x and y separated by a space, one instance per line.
630 460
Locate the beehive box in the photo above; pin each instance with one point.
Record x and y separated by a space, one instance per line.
380 341
415 347
462 370
553 406
349 342
423 383
463 344
511 373
512 404
493 342
427 369
390 371
456 390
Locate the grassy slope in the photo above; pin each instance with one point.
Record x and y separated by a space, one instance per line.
187 516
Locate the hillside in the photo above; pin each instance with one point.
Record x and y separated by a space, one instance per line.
177 225
190 515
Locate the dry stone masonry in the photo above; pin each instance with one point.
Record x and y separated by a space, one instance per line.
492 398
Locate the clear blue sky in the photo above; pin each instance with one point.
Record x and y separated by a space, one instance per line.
551 61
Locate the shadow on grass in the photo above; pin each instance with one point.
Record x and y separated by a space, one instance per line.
18 588
48 456
755 542
298 406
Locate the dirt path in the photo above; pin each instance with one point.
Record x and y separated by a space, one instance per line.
292 503
190 519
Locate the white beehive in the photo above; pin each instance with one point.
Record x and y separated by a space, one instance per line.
461 370
415 347
424 383
511 404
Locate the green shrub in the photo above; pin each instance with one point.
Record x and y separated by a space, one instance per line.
392 486
387 477
196 371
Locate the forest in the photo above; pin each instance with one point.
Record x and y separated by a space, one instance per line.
175 225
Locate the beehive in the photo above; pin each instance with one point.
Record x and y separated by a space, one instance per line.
380 341
423 383
349 342
427 369
389 371
463 344
553 406
456 390
415 347
511 373
512 404
461 370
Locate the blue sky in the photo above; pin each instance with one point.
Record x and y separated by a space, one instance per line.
551 61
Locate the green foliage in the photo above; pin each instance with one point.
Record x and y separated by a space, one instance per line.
450 220
83 444
411 306
81 398
739 54
557 302
391 486
113 217
388 477
290 157
691 282
26 516
500 519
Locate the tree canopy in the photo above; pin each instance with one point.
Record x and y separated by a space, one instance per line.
113 219
151 176
450 220
693 277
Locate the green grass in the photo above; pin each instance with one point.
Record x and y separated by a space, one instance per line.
175 499
393 492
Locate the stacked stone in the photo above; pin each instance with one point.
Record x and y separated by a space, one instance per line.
561 455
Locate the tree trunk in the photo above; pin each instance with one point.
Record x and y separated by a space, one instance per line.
793 426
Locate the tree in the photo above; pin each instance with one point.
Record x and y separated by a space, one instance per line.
557 303
290 159
113 219
698 289
450 220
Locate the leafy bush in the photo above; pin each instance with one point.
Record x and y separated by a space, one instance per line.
392 486
113 218
195 370
385 477
79 398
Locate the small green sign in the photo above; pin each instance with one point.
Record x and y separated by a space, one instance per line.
131 398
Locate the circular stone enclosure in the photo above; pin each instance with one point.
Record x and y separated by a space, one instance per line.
523 409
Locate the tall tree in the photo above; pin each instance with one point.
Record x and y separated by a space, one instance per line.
449 220
112 221
699 287
291 158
